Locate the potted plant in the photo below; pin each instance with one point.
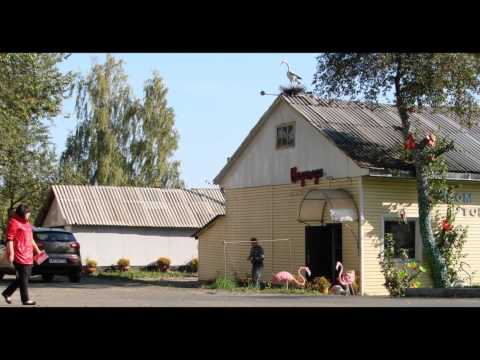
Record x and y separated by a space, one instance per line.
323 284
123 264
194 265
163 264
91 266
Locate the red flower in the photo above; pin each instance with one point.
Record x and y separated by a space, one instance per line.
446 226
411 110
410 142
431 140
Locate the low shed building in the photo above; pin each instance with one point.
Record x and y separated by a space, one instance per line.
141 224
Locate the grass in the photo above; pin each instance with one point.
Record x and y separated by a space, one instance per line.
140 275
230 285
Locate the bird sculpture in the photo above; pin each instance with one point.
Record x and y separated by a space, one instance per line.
284 277
294 78
346 279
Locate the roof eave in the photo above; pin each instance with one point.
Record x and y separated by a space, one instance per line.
394 173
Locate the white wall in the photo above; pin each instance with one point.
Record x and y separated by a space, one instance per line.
261 164
142 246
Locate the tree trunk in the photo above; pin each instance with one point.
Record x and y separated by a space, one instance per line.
437 263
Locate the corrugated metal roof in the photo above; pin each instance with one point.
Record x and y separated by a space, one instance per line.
371 135
138 207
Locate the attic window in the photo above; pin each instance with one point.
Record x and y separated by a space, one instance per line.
285 136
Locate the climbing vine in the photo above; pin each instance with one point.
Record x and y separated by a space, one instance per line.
450 240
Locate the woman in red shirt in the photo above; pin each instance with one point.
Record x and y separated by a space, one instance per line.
20 245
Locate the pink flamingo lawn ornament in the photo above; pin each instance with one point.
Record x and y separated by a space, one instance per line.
346 279
284 277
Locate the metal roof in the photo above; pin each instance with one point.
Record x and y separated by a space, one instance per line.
138 207
371 136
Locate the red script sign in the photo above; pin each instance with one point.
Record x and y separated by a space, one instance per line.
304 175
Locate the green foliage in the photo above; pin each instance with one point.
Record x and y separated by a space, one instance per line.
137 275
223 283
450 240
319 284
32 89
400 274
121 140
444 82
163 263
194 265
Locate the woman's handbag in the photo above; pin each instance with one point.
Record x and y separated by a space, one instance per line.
4 258
40 257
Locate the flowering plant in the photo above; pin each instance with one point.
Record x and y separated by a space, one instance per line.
410 142
431 140
450 240
399 275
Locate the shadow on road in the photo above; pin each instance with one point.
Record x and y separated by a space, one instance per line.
97 283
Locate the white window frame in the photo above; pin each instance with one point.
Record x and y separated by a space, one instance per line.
293 125
418 239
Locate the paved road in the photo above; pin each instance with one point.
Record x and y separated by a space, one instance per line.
185 293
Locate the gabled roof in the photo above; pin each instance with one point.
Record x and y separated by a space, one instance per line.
371 136
136 207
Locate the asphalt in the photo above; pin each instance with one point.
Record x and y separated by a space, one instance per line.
93 292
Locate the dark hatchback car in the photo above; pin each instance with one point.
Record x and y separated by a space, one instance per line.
63 252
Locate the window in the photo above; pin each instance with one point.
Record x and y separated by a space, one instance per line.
286 136
53 236
403 235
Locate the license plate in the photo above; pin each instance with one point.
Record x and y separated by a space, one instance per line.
57 261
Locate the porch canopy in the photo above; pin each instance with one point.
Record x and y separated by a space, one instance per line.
339 201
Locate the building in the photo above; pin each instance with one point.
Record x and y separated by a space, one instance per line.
141 224
327 176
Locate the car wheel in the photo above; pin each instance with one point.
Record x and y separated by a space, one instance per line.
75 278
47 277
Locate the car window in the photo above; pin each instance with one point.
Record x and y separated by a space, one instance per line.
53 236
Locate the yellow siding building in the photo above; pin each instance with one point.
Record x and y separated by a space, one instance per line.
353 149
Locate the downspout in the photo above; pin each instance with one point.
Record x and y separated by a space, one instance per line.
361 219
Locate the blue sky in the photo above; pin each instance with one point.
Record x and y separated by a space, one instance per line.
216 99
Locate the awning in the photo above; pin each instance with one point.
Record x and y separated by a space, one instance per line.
339 202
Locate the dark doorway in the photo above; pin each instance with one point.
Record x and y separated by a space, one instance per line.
323 248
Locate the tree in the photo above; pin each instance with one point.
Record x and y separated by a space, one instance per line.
415 82
103 97
32 89
121 140
151 139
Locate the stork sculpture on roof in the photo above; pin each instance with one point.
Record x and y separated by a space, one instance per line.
294 78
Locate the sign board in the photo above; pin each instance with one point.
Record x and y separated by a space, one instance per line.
296 175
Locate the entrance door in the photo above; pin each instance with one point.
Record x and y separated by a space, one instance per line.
323 248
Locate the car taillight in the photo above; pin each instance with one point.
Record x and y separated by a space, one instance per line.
75 245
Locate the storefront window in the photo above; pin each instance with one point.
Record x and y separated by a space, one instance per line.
286 136
403 235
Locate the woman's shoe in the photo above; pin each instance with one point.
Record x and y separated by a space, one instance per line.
29 302
8 299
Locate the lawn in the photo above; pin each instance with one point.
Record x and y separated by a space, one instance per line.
232 286
141 275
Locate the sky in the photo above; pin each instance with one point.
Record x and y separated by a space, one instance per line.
216 99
